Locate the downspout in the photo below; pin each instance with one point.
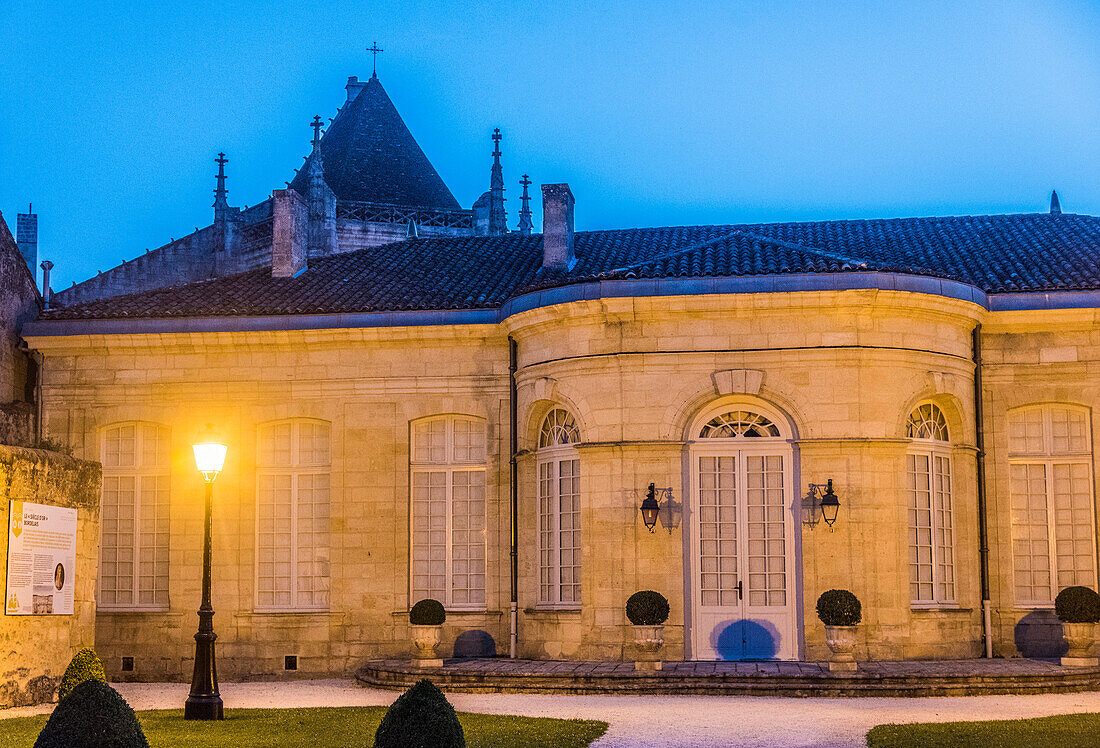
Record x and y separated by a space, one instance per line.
513 447
983 531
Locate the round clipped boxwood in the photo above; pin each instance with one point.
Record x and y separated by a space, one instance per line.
84 666
427 613
93 715
421 716
1077 605
839 608
647 608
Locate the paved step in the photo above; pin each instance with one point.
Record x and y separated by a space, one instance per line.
797 679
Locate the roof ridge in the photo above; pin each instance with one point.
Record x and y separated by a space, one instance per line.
850 259
855 261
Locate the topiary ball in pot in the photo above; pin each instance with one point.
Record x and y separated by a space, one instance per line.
428 613
647 608
421 717
1077 605
93 715
83 666
839 608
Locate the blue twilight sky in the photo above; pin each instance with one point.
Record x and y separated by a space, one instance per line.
656 113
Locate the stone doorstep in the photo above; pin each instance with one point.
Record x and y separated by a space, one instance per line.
541 677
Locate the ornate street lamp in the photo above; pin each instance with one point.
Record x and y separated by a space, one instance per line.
827 501
204 701
650 508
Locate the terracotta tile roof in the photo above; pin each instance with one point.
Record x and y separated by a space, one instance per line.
997 254
369 155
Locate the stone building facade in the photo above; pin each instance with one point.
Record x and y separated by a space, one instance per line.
941 372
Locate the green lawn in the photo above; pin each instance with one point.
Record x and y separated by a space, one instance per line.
1064 731
331 727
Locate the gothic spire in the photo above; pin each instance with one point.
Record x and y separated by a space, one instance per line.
1055 206
316 167
525 208
221 205
497 221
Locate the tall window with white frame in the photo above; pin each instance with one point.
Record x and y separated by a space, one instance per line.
292 516
1053 515
559 511
447 465
931 526
133 556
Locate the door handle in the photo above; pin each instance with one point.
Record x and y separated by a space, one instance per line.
739 590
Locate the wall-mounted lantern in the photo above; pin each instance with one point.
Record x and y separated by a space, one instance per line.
827 501
651 505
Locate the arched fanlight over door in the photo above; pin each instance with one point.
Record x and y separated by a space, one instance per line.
739 423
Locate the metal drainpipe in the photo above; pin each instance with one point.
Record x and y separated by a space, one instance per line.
983 531
513 439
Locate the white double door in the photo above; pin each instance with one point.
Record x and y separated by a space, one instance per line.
742 581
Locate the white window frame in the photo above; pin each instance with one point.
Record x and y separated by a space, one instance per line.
927 429
295 469
556 448
1048 459
140 471
933 452
449 466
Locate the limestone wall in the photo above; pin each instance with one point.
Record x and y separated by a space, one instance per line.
35 650
843 368
1031 358
369 384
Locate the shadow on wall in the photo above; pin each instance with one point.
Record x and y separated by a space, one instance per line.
746 640
475 643
1039 634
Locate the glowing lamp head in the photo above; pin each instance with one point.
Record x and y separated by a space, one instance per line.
209 455
650 508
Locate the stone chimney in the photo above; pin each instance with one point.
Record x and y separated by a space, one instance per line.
26 232
355 87
557 227
289 233
47 292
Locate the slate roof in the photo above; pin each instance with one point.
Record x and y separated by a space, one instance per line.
998 254
369 155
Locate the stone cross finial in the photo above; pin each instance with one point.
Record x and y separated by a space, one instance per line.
220 191
525 208
316 125
374 49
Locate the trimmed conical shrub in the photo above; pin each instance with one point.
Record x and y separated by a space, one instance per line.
93 715
420 718
83 666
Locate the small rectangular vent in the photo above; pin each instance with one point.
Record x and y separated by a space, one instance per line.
127 664
290 662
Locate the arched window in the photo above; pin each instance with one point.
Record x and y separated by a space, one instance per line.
448 511
558 429
1053 519
559 511
133 557
927 422
292 498
738 424
931 524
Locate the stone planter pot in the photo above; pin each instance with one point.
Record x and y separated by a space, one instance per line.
842 643
425 642
648 641
1080 638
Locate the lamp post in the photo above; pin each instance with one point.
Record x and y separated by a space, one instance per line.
204 701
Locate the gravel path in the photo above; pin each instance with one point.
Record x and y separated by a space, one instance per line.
687 721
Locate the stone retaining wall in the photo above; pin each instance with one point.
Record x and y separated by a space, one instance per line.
34 650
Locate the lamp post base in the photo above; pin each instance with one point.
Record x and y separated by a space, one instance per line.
203 707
